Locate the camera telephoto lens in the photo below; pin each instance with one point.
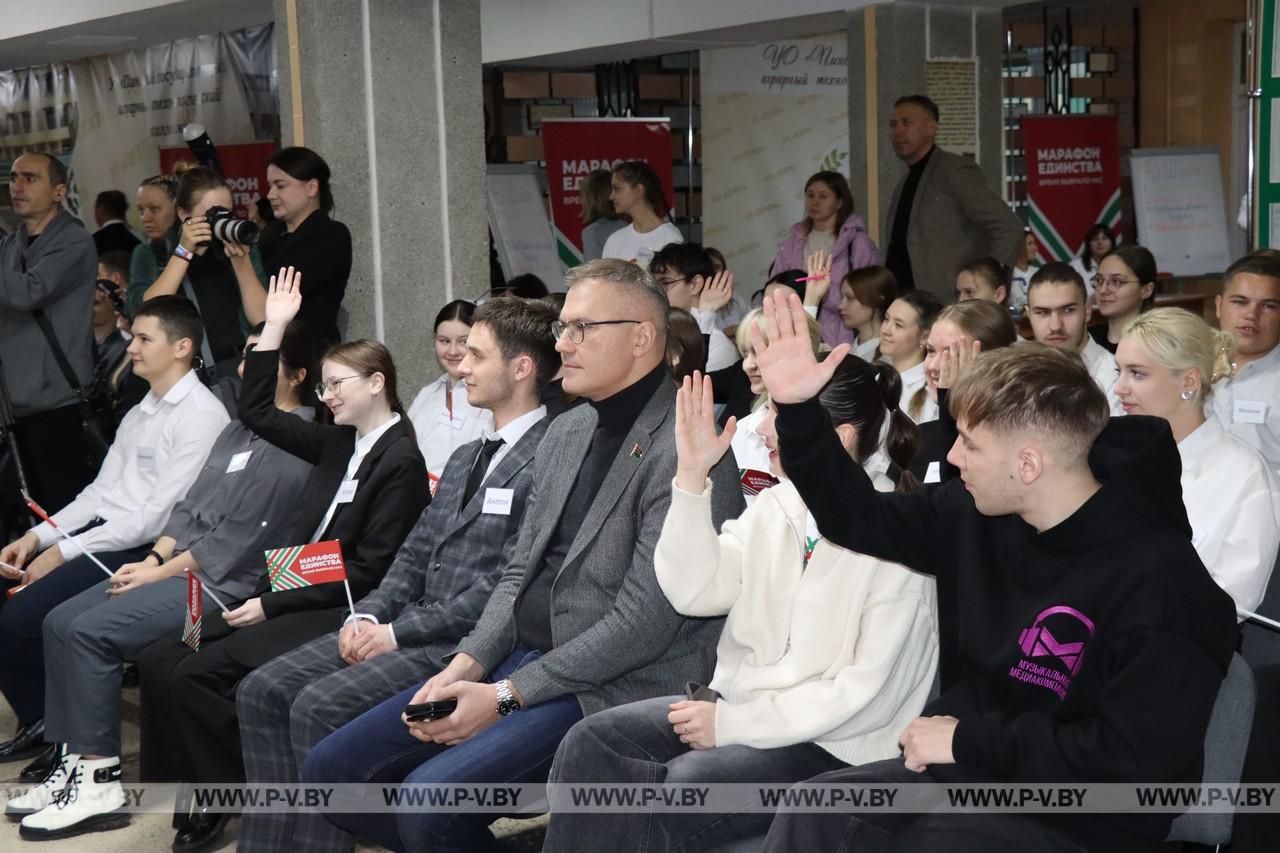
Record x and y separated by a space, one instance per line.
229 229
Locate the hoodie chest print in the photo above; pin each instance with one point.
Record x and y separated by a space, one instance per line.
1053 649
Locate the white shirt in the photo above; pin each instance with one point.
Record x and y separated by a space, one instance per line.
1232 504
867 351
158 451
1020 281
630 245
1077 264
347 489
1253 394
510 435
913 380
721 352
1102 367
439 433
748 445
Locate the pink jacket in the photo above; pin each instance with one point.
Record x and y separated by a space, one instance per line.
854 248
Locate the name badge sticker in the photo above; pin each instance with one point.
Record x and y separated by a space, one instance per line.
933 474
146 457
347 491
1249 412
443 416
238 462
498 501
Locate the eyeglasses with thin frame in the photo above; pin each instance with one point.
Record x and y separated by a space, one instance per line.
668 283
1113 283
577 329
335 385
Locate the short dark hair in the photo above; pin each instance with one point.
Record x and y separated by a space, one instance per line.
113 203
177 317
303 164
688 259
527 286
117 260
1257 263
924 102
1056 272
459 309
57 171
523 327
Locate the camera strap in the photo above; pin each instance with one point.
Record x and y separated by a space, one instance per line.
58 355
206 351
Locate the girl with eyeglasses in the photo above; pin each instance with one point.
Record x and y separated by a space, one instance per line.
367 489
1124 287
442 418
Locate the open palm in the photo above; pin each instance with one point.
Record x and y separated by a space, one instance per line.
699 445
284 296
786 361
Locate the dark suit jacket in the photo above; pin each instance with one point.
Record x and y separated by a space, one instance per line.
956 218
616 637
391 494
321 250
443 573
115 236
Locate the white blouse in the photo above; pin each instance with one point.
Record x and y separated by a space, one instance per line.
913 380
441 428
1230 495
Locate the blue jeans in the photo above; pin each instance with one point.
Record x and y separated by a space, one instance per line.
377 747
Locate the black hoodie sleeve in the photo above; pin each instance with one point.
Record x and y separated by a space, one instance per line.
902 527
1152 712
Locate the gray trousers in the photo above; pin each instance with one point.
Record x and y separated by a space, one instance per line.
87 639
292 703
634 744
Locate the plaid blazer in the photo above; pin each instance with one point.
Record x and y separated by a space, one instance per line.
444 571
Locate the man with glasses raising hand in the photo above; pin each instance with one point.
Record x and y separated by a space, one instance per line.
578 622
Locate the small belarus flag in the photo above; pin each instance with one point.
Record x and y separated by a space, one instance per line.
195 613
306 565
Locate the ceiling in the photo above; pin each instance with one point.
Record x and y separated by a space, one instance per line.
133 29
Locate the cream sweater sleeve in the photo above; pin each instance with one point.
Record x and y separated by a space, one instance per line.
894 660
699 571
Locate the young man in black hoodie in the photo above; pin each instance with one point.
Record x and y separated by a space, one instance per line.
1090 641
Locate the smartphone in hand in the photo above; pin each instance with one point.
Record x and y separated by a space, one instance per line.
430 710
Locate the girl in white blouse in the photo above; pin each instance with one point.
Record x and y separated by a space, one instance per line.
904 334
1168 361
441 416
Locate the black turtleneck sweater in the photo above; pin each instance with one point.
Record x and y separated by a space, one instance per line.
615 417
898 259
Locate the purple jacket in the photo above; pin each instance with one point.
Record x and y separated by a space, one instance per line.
854 248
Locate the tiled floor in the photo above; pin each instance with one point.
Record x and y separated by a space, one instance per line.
153 832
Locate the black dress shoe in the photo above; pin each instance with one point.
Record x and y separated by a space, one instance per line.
28 742
202 832
39 770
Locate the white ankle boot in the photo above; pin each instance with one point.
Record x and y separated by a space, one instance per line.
91 801
39 796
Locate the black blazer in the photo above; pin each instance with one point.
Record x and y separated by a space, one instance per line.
321 249
113 237
392 492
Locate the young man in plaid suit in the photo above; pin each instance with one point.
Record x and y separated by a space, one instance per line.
432 595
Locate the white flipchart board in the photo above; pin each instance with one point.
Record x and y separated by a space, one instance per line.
1177 201
521 230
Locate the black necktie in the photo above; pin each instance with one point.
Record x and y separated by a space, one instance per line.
478 470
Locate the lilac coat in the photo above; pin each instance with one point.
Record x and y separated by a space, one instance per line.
854 248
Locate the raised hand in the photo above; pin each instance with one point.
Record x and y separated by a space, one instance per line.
786 361
953 362
818 269
698 444
716 293
284 297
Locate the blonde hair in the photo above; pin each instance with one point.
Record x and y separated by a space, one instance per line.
593 192
755 317
1179 341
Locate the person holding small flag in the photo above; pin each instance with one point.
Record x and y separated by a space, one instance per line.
367 489
156 454
244 499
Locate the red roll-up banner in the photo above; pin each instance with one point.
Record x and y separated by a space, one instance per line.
1073 179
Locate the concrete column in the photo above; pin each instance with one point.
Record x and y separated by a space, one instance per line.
389 93
888 48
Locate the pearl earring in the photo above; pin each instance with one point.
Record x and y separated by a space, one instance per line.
1187 395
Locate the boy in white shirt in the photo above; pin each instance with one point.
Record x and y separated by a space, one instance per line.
1249 308
1058 308
157 453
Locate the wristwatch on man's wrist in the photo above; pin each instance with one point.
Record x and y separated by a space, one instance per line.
507 704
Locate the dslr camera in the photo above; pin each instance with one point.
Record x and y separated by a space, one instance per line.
229 228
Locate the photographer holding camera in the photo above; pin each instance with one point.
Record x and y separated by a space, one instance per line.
215 265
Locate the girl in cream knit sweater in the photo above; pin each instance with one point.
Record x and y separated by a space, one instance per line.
825 657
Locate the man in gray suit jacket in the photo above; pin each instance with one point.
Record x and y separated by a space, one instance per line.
434 591
943 214
47 268
578 622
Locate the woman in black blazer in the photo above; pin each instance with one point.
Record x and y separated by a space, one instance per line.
367 490
310 241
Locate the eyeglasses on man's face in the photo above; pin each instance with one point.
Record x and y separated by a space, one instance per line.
577 329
